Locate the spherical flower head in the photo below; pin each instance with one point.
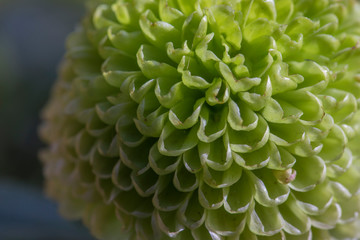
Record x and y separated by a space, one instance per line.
209 119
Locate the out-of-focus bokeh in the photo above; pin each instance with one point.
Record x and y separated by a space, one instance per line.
32 37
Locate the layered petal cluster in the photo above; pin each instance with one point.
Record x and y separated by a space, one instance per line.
209 119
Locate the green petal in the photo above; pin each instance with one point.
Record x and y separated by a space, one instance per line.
221 179
216 155
284 10
134 159
109 145
107 189
264 220
104 223
258 9
236 85
160 163
280 159
259 96
218 93
194 29
121 176
158 32
176 54
340 104
279 111
212 124
102 166
334 144
143 229
315 201
170 14
145 183
84 143
207 57
210 198
152 64
301 25
104 17
202 233
295 221
243 141
258 28
115 74
173 142
268 191
224 223
312 72
306 236
169 91
129 202
328 219
85 174
222 22
189 68
140 87
310 172
192 214
129 134
349 182
350 230
127 42
307 103
254 160
167 198
241 117
350 209
305 148
192 160
186 113
184 180
239 196
280 79
167 223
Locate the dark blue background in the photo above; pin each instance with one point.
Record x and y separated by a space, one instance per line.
32 36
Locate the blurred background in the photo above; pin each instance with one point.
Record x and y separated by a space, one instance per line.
32 37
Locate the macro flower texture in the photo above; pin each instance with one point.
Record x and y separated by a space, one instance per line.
209 120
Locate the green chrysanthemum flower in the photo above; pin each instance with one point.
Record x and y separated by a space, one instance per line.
209 119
